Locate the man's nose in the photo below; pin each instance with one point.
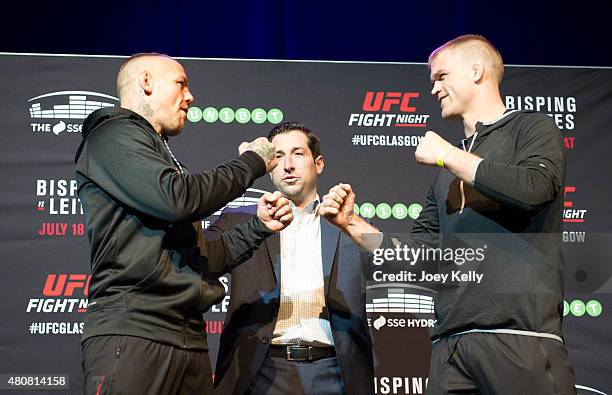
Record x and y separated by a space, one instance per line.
435 89
189 97
287 163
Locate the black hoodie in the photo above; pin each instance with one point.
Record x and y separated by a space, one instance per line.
513 213
148 256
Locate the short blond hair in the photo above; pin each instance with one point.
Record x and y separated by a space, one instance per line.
475 46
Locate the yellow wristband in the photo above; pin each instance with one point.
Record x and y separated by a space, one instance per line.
440 161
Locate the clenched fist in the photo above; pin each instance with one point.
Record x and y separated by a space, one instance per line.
263 148
338 205
431 148
274 211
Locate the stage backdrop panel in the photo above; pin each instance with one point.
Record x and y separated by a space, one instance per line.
370 117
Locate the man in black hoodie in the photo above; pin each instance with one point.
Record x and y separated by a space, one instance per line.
500 195
144 331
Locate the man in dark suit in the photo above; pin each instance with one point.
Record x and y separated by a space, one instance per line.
296 321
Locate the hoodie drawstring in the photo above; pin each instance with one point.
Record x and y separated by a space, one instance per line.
461 182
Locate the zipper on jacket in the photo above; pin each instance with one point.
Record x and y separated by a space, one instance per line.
176 162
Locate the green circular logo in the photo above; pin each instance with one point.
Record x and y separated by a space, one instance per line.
275 116
565 308
414 210
356 209
194 114
577 308
399 211
243 115
210 114
593 308
258 115
383 211
226 115
367 210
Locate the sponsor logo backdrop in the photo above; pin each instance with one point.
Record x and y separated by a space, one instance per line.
370 118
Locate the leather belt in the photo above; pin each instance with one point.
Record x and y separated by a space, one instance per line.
301 353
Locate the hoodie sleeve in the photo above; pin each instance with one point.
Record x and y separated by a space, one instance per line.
535 176
231 240
123 160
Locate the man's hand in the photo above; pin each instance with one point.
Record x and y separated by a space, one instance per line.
262 147
274 211
338 205
338 208
431 148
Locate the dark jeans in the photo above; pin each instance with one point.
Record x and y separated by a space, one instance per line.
277 376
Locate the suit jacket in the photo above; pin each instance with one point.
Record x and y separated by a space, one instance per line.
255 299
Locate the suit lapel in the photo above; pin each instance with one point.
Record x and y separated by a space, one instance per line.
273 244
329 243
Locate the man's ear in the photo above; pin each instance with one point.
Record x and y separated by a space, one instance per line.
320 164
145 82
477 71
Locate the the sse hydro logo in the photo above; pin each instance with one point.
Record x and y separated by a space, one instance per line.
395 299
228 115
65 105
398 211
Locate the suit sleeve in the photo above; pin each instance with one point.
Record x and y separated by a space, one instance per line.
123 161
536 177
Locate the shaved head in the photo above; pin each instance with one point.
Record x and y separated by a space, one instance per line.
474 48
128 73
156 87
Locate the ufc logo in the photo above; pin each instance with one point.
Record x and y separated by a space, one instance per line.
384 101
568 189
66 284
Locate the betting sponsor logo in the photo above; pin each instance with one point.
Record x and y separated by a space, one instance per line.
384 210
579 308
50 111
229 115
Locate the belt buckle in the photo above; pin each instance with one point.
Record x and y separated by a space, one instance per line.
304 357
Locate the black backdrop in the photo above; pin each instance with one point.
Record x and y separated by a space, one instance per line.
45 255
